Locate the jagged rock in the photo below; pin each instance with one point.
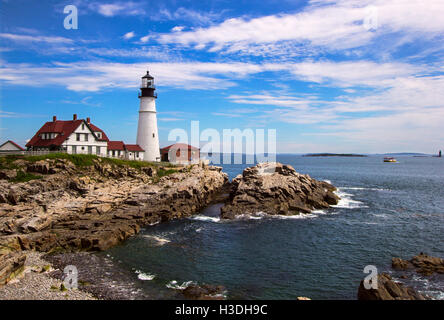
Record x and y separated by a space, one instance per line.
388 290
149 171
204 292
8 174
424 264
11 264
274 188
41 166
400 264
96 207
427 265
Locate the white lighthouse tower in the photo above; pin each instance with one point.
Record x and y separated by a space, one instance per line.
147 133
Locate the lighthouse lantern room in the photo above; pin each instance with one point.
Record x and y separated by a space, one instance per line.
147 132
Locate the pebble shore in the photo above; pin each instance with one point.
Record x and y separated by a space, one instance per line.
36 284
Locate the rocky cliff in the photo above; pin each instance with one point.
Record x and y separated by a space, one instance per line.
69 207
276 189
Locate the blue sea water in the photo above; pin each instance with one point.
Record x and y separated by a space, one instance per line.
387 210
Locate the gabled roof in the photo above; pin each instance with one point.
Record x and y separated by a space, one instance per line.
64 130
179 146
97 129
133 147
12 142
116 145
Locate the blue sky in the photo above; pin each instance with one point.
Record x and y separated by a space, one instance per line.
329 76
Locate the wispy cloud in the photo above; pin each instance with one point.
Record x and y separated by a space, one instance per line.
128 8
335 25
34 38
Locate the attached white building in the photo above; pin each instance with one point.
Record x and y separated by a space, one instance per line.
79 136
76 136
10 146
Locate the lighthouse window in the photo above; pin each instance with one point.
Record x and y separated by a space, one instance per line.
154 135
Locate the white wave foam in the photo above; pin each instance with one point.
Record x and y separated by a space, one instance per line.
328 181
361 188
346 202
159 240
174 285
205 218
144 276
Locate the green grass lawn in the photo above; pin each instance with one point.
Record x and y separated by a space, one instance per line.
80 160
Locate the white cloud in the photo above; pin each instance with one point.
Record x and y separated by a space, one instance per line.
129 35
117 8
334 24
177 28
94 76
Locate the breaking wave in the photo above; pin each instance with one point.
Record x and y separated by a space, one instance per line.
144 276
346 202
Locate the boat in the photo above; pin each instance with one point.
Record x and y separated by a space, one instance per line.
390 159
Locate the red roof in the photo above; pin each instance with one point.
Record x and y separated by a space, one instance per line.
179 146
133 147
64 130
95 129
15 144
116 145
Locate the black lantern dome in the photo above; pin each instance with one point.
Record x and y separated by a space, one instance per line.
147 87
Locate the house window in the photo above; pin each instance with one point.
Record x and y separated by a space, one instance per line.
97 150
86 137
114 153
83 148
78 136
83 126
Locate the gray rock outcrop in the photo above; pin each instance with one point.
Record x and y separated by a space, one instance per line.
276 189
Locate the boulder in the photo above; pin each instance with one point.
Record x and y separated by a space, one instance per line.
388 290
149 171
204 292
400 264
422 263
427 265
276 189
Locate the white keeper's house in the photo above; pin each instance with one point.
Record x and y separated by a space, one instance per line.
80 136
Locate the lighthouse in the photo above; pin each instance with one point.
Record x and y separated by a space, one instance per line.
147 133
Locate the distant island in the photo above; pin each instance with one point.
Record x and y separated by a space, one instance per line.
333 155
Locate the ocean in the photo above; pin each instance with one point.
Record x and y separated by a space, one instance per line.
387 210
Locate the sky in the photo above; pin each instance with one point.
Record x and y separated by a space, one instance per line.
363 76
